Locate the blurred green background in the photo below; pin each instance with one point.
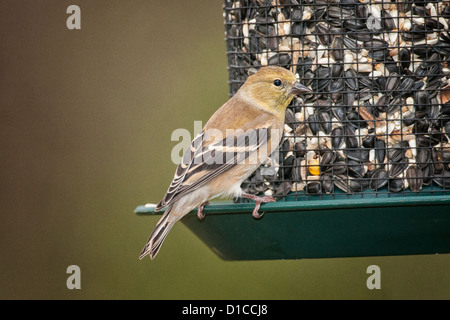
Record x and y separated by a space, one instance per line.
85 125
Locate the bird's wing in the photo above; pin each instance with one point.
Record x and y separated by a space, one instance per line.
203 162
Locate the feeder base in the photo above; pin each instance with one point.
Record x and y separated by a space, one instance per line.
324 228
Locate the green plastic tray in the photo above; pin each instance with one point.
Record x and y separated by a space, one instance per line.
326 227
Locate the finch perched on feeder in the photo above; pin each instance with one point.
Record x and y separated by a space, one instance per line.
236 140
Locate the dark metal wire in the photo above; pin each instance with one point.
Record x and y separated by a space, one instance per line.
377 123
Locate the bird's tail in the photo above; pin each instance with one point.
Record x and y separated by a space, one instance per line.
158 235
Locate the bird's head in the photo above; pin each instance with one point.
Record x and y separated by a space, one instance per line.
273 88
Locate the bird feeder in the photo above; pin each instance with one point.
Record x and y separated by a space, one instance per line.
363 168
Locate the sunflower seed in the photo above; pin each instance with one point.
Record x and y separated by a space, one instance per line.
415 178
379 179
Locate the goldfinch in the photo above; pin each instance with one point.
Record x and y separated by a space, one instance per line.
236 140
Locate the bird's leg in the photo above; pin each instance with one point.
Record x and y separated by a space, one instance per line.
258 201
200 214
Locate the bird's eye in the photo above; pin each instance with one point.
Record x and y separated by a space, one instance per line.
277 82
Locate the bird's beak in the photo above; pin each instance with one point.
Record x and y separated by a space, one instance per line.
298 88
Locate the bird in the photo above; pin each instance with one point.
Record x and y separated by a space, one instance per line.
236 140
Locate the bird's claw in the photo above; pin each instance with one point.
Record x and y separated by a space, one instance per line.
256 214
200 214
258 201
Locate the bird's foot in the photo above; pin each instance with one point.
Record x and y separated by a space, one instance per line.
200 214
258 201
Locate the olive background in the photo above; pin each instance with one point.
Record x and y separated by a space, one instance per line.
86 118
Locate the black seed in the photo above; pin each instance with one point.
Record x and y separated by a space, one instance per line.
379 179
404 58
313 124
359 154
397 169
283 189
351 79
437 160
337 137
396 185
300 149
337 69
355 168
339 113
380 150
324 34
341 182
369 141
415 178
280 59
337 49
358 185
327 184
325 121
423 157
388 21
392 82
404 88
397 152
287 167
351 44
314 188
327 158
351 141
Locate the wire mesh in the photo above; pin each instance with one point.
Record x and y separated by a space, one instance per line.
377 122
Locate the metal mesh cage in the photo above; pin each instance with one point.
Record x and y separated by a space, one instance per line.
377 122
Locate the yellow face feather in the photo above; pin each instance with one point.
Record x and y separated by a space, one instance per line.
272 88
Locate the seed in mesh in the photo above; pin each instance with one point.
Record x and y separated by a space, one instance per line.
379 178
314 188
415 178
396 185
